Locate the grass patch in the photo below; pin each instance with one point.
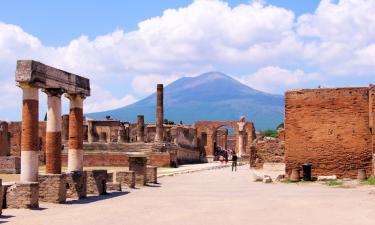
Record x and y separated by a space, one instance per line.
370 181
334 183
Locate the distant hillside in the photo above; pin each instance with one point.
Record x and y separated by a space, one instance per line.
210 96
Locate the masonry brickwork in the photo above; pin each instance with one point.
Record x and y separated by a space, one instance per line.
96 182
22 195
52 188
126 179
330 128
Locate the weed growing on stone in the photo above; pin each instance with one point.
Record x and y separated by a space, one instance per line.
334 183
370 181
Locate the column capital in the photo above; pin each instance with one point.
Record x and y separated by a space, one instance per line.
72 96
53 92
25 85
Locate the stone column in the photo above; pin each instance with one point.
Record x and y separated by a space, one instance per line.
159 113
240 143
140 128
75 152
53 135
29 135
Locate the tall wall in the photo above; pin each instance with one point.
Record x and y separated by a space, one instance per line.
330 129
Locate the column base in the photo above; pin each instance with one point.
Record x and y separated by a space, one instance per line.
52 188
126 179
113 186
76 184
96 182
152 174
22 195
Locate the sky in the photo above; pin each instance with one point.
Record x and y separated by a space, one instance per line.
127 47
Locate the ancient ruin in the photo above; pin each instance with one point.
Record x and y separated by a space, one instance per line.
332 128
207 133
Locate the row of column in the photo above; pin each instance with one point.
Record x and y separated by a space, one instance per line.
30 137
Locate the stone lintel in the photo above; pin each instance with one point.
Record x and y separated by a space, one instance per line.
42 76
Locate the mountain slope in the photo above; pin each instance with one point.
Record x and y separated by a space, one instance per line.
210 96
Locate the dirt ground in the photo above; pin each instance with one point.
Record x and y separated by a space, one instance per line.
211 197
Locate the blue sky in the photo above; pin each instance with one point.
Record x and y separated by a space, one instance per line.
127 47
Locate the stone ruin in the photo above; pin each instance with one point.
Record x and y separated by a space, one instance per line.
331 128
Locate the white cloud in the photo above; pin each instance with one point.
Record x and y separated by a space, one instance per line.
147 83
338 39
276 79
102 100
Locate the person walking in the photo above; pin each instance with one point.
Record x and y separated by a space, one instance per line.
234 161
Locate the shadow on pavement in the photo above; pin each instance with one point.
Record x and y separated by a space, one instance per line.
91 199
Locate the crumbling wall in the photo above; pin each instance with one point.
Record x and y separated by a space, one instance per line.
268 150
330 129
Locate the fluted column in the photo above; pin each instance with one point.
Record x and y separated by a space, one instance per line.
140 128
53 134
159 113
75 152
29 134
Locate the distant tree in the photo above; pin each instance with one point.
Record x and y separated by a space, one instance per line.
168 122
281 125
45 117
108 117
269 133
181 122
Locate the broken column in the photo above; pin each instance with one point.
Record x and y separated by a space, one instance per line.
53 135
29 135
159 113
138 164
140 128
75 152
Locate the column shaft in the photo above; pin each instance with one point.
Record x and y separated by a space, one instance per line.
140 128
53 134
29 135
159 113
75 152
240 144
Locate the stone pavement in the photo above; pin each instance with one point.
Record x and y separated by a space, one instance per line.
211 197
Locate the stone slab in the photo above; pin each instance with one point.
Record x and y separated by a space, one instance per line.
126 179
152 174
52 188
22 195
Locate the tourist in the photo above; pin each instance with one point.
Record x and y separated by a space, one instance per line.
234 161
226 156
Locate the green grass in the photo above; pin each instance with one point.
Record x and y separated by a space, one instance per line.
334 183
370 181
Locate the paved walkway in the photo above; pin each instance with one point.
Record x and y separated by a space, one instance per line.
211 197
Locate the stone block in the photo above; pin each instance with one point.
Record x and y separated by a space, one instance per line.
52 188
138 164
76 184
22 195
126 179
96 182
10 164
113 186
152 174
110 177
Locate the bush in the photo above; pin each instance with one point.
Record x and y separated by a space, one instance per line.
269 133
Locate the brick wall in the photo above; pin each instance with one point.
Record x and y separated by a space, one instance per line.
268 150
330 129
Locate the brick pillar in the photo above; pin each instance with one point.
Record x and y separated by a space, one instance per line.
138 164
75 152
29 134
53 134
159 113
240 143
4 139
65 128
140 128
372 123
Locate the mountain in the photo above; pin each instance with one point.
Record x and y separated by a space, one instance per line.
210 96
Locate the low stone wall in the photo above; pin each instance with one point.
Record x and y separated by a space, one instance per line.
138 164
22 195
186 156
10 164
96 182
152 174
126 179
76 184
268 150
52 188
161 159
